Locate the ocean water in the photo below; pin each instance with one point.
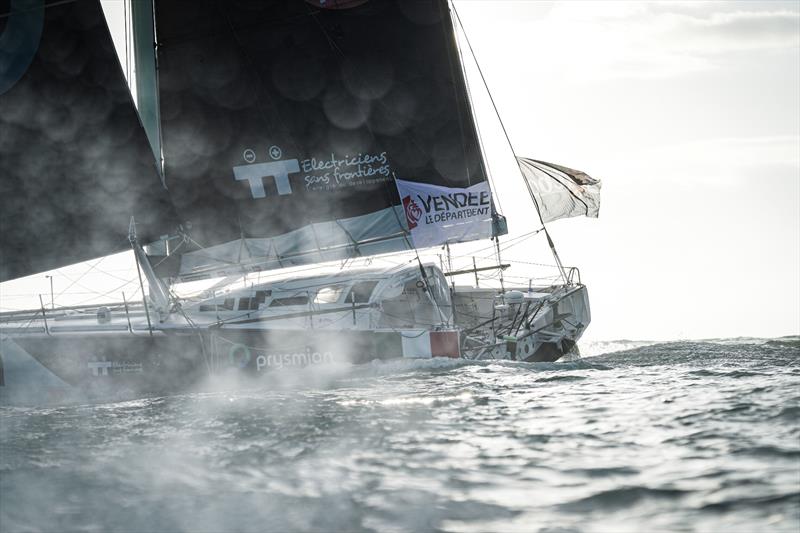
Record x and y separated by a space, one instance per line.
681 436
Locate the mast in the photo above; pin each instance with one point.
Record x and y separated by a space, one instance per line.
146 73
158 291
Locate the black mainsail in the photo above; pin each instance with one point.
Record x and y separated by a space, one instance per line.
286 122
284 126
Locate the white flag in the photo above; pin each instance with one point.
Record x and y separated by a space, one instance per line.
437 215
561 192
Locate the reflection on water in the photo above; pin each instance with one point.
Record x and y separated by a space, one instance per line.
677 436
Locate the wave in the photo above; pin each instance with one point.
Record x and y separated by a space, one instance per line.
562 377
593 348
394 367
782 351
789 342
589 348
731 374
790 413
622 497
606 355
758 502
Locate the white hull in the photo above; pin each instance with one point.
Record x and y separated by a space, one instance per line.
345 318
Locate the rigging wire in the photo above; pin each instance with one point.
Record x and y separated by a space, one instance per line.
483 78
510 144
83 275
508 244
472 107
126 22
108 293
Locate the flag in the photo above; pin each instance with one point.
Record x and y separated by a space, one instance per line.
561 192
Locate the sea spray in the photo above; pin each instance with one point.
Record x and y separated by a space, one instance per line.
689 436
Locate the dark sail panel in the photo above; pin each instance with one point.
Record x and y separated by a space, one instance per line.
292 118
75 163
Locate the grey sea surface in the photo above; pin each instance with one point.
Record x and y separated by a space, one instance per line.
680 436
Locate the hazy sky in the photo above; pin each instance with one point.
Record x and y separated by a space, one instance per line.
690 114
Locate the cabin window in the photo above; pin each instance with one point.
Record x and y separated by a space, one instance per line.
227 305
252 303
361 292
246 304
292 300
329 295
261 297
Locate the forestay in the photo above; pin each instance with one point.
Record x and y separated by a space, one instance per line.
560 192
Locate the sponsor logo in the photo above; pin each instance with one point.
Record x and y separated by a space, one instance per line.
335 172
280 360
438 214
241 356
446 207
413 212
324 174
105 368
255 174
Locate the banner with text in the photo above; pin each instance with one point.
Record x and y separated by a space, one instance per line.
437 215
